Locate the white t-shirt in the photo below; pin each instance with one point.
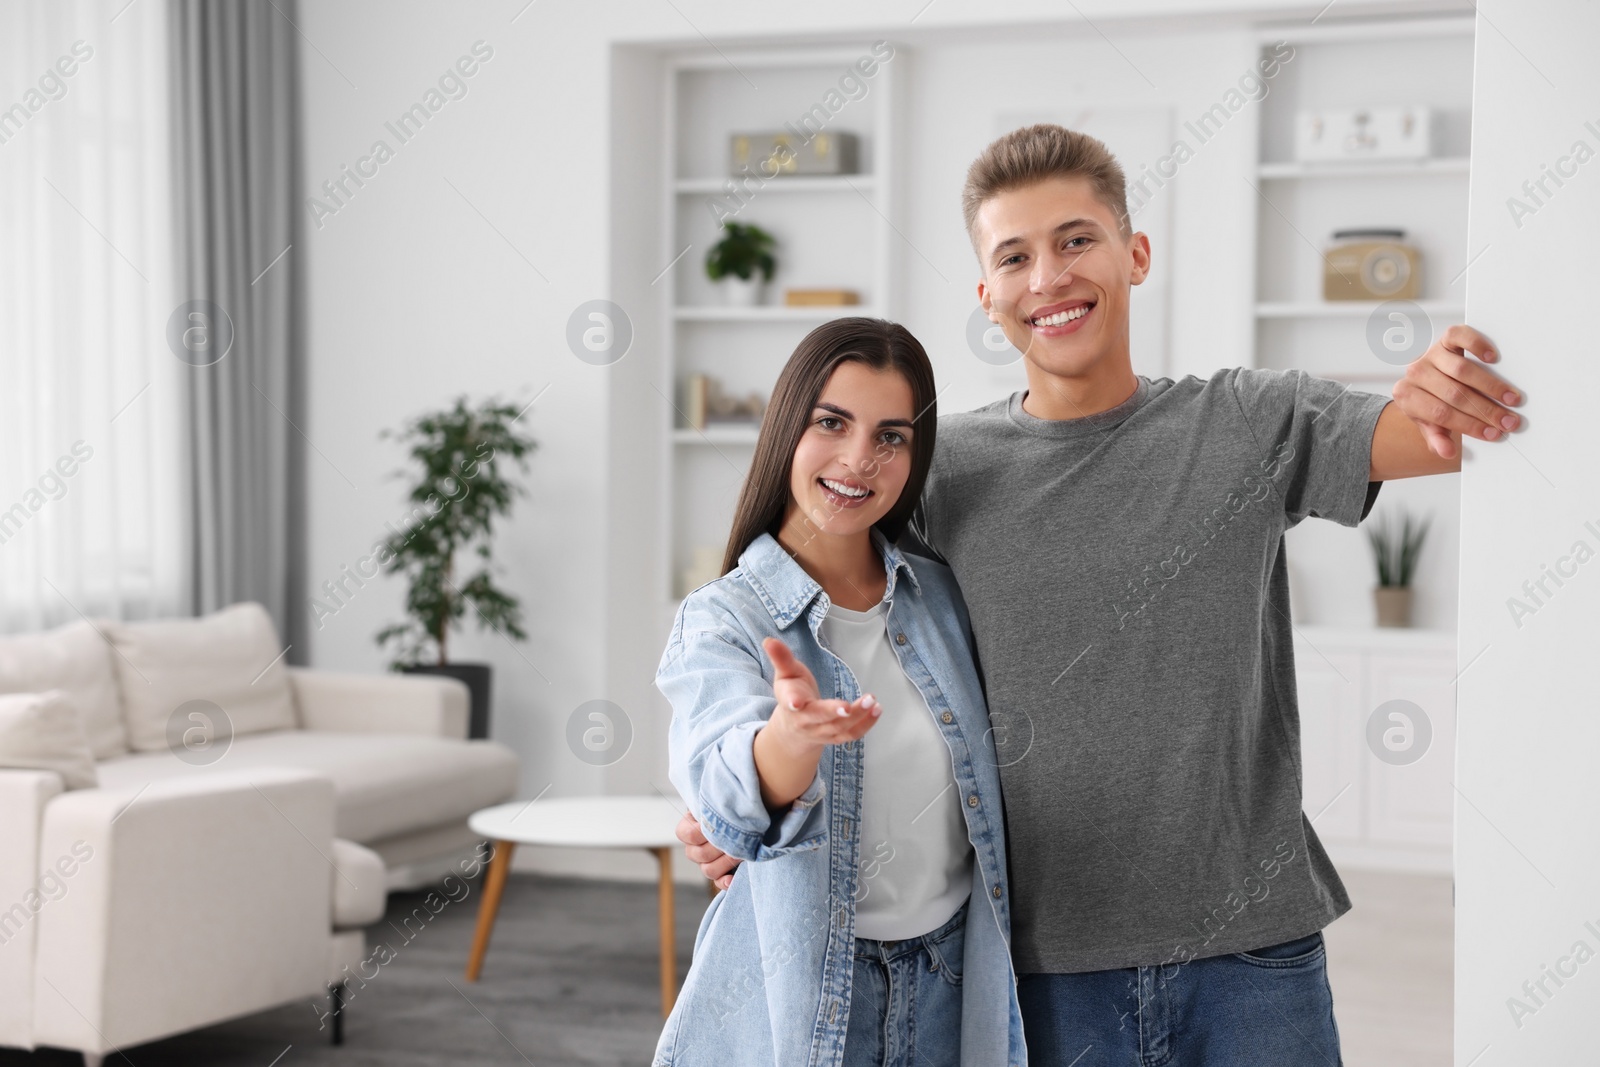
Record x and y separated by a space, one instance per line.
916 860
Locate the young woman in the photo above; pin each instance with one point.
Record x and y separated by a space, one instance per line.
829 725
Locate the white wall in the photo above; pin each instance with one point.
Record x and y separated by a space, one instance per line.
1527 870
420 291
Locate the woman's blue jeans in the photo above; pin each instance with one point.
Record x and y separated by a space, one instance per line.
905 1000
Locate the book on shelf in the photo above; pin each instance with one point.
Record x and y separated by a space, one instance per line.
696 390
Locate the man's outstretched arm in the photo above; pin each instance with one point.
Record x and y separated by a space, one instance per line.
714 863
1446 393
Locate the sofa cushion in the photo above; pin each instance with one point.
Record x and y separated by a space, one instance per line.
42 732
385 784
75 659
230 659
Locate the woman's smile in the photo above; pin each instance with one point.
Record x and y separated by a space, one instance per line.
843 493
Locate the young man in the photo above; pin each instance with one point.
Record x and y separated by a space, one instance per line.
1119 543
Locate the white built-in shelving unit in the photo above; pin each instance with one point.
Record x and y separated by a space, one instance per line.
1414 61
1367 811
834 231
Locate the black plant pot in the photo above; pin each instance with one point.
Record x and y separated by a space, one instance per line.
476 677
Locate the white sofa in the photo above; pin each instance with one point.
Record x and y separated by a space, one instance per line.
191 877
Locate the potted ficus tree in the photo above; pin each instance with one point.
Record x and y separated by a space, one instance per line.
1395 549
460 484
742 262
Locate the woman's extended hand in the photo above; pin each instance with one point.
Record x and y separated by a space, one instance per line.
805 720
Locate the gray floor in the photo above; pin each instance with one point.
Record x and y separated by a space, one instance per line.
571 979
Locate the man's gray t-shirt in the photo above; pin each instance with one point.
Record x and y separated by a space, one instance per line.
1129 597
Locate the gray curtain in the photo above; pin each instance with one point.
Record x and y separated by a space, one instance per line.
236 186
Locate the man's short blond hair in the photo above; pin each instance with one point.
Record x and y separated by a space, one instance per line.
1036 153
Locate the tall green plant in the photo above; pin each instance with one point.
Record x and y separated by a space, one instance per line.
1396 550
459 486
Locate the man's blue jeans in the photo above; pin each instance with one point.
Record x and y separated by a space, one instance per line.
1270 1007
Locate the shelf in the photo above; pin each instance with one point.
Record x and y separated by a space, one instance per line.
1365 30
716 59
1376 638
717 435
1370 169
820 183
772 313
1339 309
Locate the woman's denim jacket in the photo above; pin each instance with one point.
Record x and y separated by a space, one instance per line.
774 956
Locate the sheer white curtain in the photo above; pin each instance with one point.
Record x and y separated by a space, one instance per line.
89 389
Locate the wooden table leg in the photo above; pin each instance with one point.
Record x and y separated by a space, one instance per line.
669 953
494 886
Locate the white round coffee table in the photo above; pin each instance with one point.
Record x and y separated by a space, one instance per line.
647 822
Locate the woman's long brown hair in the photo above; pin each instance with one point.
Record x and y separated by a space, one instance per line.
879 344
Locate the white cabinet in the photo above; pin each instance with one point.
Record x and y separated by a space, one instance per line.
1330 696
1413 803
1377 734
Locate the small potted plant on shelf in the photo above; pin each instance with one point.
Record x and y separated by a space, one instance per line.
1395 551
459 486
742 262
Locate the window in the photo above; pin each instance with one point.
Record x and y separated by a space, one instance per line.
89 392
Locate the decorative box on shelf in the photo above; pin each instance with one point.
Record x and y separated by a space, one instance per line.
788 152
1363 133
821 297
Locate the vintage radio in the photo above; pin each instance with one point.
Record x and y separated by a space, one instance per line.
1371 265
